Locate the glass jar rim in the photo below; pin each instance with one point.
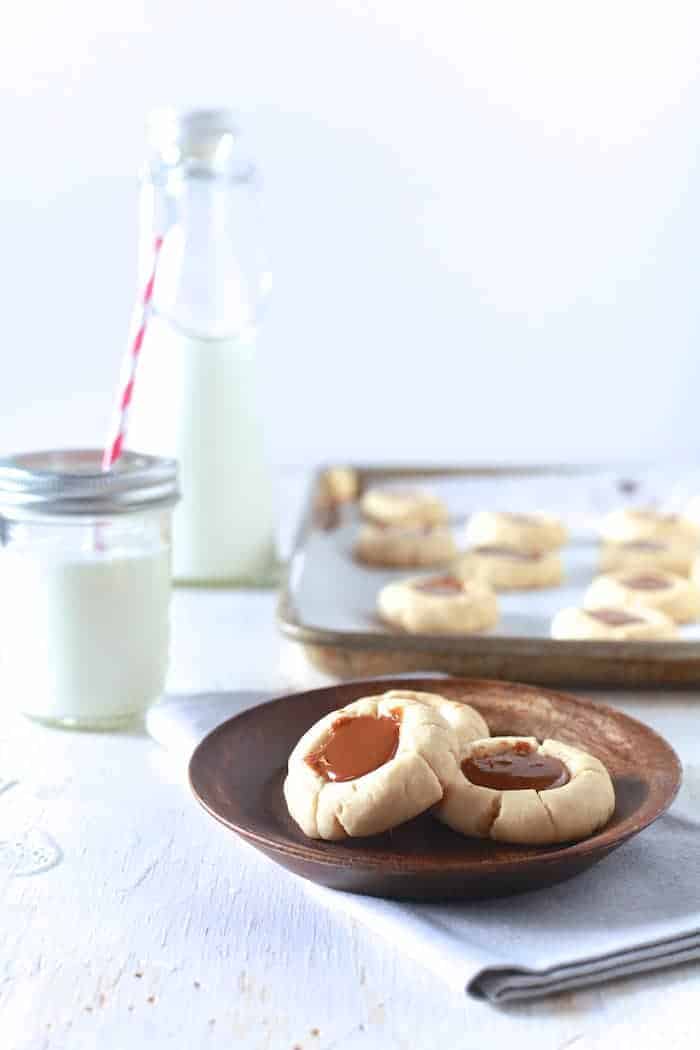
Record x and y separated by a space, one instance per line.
71 482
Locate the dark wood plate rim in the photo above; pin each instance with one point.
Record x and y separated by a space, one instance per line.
649 810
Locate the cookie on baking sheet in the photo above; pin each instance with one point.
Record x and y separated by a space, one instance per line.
674 595
527 532
512 569
616 625
438 605
669 555
370 766
339 484
646 523
403 506
404 546
514 789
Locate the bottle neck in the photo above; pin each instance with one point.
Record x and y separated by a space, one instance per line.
211 275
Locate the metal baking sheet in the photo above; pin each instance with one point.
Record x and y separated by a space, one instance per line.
328 600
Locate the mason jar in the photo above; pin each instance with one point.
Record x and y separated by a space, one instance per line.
84 585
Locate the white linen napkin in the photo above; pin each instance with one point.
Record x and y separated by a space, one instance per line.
637 910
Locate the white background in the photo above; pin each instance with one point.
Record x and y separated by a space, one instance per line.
484 217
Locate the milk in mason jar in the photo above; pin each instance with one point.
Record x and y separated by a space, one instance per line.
84 585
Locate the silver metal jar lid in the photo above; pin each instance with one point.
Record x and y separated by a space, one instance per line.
72 483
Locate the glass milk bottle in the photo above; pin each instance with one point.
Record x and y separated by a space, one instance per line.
195 393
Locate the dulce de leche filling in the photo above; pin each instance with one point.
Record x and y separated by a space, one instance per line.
614 617
516 768
356 746
643 546
647 582
442 585
404 530
511 553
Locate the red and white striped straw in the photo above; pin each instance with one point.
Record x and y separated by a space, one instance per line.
142 313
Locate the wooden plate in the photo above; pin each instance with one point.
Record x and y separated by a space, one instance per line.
237 771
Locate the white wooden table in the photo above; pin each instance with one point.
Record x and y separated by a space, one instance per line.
157 928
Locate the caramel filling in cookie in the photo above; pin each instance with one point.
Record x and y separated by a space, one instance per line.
405 530
494 551
441 585
646 582
643 545
517 768
356 746
614 617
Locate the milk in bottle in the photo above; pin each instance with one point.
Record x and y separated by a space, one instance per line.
195 397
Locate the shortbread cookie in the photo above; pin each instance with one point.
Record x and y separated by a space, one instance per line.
465 720
409 506
340 484
652 589
512 569
404 546
514 789
438 605
527 532
370 766
671 556
616 625
645 523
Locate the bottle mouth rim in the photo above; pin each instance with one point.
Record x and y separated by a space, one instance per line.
202 142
